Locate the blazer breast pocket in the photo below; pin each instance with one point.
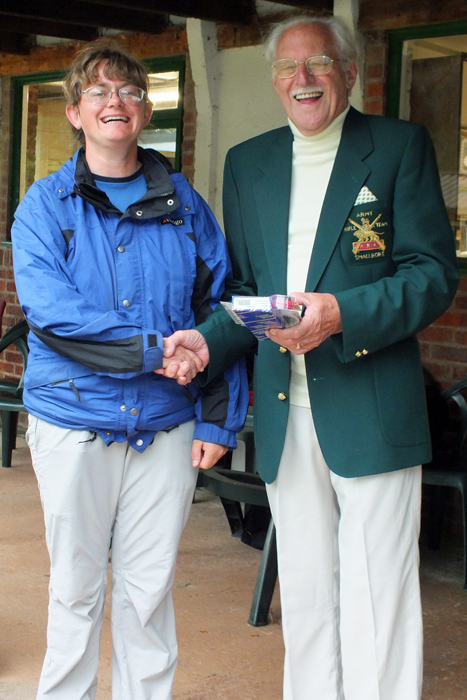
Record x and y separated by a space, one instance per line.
368 234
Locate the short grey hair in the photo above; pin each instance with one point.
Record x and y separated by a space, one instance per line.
345 42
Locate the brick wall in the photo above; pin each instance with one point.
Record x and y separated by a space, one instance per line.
189 125
10 362
374 75
444 344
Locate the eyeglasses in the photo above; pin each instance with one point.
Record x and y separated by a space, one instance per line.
315 65
130 94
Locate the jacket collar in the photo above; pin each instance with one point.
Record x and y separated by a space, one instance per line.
348 175
160 198
272 193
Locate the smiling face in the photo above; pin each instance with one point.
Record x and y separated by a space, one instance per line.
113 124
312 102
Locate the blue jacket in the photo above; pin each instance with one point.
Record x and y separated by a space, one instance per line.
100 289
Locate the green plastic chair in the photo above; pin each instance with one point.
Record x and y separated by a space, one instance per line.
450 469
233 488
11 390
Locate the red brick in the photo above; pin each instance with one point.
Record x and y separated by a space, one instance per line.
460 337
460 302
440 372
374 89
437 334
458 372
189 173
451 353
374 107
454 319
188 159
189 131
375 71
12 356
375 54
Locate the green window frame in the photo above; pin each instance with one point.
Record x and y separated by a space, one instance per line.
396 38
170 118
161 119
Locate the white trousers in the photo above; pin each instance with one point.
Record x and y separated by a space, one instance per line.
95 496
348 571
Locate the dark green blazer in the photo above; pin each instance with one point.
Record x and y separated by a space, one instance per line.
389 261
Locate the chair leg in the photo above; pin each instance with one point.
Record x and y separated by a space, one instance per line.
463 491
265 581
14 429
8 436
438 497
233 511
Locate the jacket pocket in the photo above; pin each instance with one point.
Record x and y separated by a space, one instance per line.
400 394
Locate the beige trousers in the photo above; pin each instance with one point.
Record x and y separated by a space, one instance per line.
95 497
348 571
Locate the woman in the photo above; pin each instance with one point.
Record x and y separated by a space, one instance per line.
112 253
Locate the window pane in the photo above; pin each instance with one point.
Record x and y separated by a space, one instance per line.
434 93
162 140
46 138
164 90
46 141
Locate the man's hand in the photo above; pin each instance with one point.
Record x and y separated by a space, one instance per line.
322 318
185 354
206 454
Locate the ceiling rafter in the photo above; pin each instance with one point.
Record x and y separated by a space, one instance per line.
315 5
235 11
46 28
85 13
15 43
81 20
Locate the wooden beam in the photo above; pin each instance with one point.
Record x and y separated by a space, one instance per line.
321 6
43 27
171 42
229 11
15 43
394 14
87 14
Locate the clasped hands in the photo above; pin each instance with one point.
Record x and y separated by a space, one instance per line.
186 352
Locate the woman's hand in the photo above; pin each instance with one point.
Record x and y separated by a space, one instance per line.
206 454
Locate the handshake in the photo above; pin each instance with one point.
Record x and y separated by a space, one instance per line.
185 354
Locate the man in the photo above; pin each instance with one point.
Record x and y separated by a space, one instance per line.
345 212
113 252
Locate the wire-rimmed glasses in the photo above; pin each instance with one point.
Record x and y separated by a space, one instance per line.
130 94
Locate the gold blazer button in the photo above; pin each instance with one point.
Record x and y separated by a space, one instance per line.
281 396
358 353
282 349
364 352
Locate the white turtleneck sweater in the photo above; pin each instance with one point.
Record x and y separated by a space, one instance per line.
312 161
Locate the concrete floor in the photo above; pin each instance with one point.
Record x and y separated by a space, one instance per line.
221 657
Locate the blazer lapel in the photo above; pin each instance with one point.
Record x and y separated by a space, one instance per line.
347 178
272 195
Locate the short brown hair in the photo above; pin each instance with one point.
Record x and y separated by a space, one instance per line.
83 71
